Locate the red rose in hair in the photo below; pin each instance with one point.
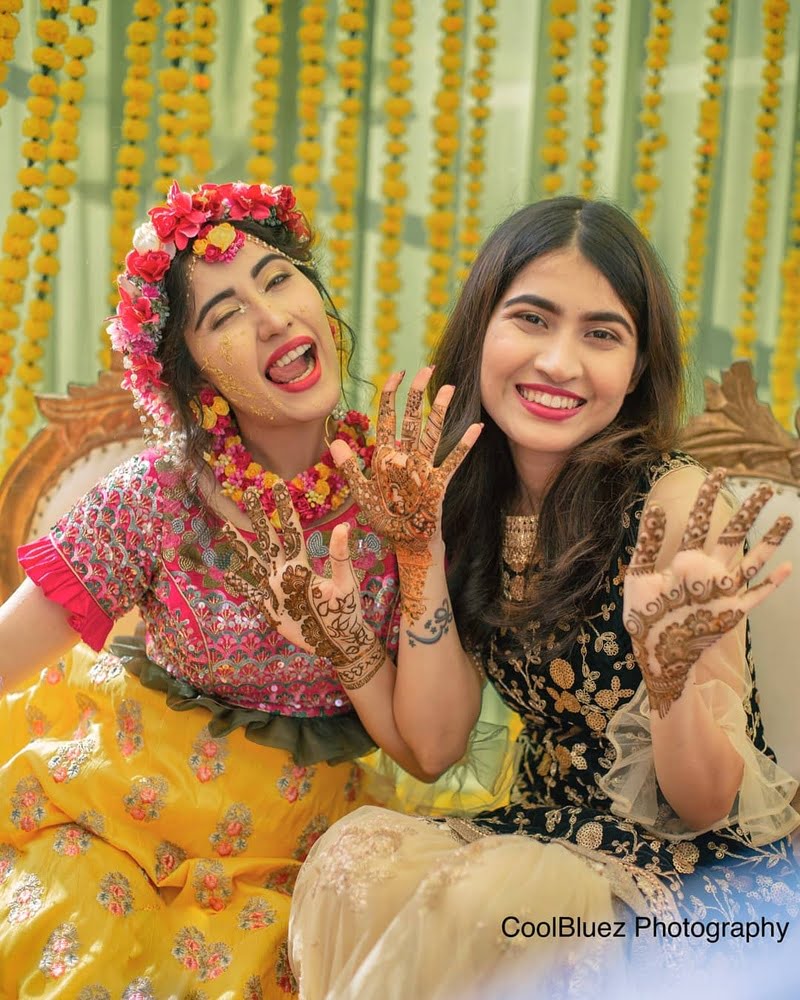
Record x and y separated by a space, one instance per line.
152 266
286 198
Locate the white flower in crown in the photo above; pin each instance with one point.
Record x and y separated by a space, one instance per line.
146 238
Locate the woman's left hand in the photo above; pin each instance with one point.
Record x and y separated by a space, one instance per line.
674 615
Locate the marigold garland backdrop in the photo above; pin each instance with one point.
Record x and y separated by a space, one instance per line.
408 128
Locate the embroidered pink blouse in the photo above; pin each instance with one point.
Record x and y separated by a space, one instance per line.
140 538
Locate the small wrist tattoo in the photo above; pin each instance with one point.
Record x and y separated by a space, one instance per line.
436 627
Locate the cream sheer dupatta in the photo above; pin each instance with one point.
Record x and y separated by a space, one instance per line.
388 907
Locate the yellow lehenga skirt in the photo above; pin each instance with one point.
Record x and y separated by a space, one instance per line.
141 857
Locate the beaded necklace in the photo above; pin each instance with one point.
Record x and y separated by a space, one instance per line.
315 492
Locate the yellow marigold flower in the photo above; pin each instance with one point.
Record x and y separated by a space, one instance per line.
79 47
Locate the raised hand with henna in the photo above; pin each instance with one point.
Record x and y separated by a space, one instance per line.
403 496
321 615
675 614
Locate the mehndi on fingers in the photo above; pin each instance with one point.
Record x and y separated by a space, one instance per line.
292 535
697 527
735 531
649 541
249 578
412 420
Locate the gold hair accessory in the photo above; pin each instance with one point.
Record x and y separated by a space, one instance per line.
274 249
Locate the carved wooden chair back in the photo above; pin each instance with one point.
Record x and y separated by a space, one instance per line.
88 432
741 434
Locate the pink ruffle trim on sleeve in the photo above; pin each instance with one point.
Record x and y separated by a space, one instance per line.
44 564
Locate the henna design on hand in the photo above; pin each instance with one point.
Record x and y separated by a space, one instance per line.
254 586
742 521
290 525
403 497
694 537
681 612
283 584
333 628
412 420
649 542
678 649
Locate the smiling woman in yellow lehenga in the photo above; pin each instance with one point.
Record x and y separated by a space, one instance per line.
157 800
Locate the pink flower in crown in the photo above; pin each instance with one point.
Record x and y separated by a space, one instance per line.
144 368
150 266
250 200
135 311
179 221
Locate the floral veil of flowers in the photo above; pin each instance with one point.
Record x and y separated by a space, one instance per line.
202 216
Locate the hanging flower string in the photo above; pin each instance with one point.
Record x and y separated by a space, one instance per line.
441 220
783 377
470 234
138 92
394 190
196 145
554 152
707 154
173 82
316 492
344 182
308 153
9 29
596 97
654 138
62 150
269 29
745 334
21 226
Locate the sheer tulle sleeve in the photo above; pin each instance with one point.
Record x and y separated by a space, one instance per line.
762 808
99 559
481 780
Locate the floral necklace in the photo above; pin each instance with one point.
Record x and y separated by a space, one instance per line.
315 492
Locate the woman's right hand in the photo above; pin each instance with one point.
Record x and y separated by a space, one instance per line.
403 497
322 615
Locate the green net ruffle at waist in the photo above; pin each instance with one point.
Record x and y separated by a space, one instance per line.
334 739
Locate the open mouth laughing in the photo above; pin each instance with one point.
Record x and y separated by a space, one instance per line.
294 366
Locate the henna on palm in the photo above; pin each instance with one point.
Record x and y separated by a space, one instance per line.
679 647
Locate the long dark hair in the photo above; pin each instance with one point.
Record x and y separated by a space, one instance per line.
180 372
580 521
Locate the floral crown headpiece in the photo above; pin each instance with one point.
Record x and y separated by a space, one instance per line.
202 217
